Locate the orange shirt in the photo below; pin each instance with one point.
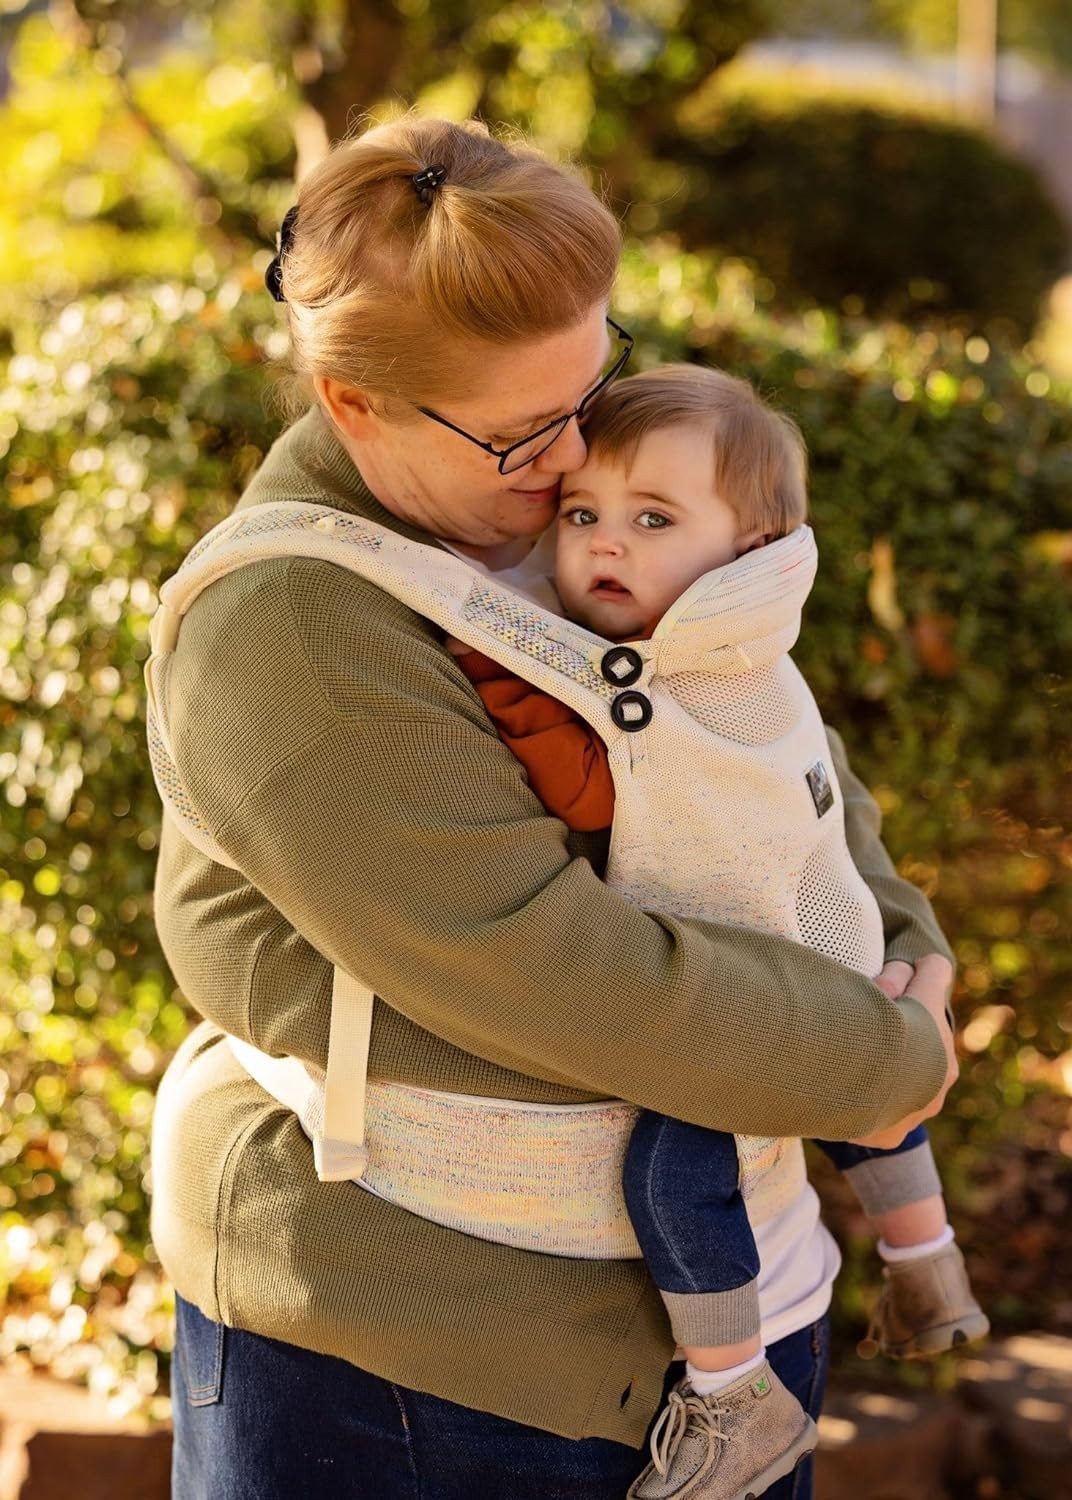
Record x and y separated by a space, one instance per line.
565 758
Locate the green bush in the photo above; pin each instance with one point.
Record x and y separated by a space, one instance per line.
937 639
832 201
129 425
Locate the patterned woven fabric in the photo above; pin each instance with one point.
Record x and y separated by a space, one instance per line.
567 1160
524 629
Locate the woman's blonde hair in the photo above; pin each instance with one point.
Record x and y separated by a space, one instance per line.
759 462
394 295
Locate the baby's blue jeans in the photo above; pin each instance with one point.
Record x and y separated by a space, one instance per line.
683 1194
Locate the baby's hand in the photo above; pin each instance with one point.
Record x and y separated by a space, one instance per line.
895 978
459 648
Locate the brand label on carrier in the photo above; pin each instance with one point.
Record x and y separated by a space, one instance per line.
819 786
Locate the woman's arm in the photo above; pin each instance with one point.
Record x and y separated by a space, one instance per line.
343 761
908 921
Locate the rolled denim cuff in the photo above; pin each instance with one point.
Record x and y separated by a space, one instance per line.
706 1319
883 1183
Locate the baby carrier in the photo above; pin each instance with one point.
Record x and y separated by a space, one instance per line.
727 808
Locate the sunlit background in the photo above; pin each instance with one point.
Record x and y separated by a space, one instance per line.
863 206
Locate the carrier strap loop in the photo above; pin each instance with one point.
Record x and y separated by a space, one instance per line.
339 1152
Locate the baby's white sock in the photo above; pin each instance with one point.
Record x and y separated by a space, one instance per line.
707 1382
913 1252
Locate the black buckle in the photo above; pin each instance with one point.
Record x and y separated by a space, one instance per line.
631 712
622 666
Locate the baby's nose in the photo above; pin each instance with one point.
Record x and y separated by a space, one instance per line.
604 543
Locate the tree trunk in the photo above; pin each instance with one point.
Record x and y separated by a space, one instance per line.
371 46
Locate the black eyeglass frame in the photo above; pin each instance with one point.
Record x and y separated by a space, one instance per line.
558 426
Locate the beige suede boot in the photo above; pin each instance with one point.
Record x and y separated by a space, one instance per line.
926 1306
729 1446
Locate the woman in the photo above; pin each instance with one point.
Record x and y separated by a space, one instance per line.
447 297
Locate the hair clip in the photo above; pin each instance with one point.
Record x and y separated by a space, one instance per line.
273 277
427 181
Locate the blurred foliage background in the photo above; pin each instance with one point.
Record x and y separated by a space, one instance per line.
881 268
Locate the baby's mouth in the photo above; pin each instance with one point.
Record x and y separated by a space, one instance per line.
609 588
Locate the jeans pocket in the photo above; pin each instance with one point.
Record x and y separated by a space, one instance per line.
199 1351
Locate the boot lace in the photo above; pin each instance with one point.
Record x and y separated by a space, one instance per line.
679 1413
871 1343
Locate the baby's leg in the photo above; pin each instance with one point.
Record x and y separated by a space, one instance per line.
899 1190
913 1225
730 1427
927 1304
681 1189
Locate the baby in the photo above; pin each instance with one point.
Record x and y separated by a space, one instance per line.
688 471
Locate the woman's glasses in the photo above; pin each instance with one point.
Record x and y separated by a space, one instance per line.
526 449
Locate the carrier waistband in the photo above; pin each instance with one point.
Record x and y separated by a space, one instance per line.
545 1177
538 1177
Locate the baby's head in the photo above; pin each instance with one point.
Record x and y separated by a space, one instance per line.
686 470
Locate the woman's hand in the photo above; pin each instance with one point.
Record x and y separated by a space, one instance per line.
929 983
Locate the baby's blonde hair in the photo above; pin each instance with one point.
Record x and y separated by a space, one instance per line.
395 296
758 455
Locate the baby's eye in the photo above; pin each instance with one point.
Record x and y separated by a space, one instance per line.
579 516
652 520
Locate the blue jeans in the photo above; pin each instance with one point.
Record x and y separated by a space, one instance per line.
681 1190
256 1419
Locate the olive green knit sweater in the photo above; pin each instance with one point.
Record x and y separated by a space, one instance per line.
348 768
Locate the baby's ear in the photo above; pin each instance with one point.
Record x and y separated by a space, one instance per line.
753 539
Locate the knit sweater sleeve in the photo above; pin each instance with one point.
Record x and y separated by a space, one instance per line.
565 758
339 756
909 924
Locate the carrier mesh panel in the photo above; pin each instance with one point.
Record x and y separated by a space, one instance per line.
752 709
831 915
510 620
354 531
352 527
167 778
207 542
